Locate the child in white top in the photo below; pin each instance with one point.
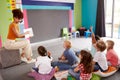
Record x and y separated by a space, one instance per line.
43 68
43 62
99 59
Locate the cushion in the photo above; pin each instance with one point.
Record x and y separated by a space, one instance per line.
111 70
70 77
95 77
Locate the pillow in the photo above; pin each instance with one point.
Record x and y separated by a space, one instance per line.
69 77
95 77
111 70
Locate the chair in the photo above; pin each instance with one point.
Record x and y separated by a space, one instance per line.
87 33
75 33
65 33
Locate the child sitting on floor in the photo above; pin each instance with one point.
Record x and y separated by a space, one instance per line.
84 70
111 55
95 38
68 59
99 60
43 68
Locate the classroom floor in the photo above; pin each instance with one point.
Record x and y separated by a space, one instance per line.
19 72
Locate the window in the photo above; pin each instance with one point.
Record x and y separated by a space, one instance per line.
112 19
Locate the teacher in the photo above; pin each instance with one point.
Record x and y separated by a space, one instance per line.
14 33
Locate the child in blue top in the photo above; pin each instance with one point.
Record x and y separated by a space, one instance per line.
67 59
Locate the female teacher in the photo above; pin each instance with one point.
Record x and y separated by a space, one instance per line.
13 34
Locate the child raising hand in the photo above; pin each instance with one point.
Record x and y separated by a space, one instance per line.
99 59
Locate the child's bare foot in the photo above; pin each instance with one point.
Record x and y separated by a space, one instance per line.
56 69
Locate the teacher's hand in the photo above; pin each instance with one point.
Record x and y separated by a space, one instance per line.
27 32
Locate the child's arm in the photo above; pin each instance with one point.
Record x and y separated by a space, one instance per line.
62 57
108 56
49 55
36 63
18 34
93 36
93 62
76 69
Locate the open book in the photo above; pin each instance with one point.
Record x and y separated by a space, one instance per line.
30 32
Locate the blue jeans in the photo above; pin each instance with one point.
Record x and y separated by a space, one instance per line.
76 75
62 65
36 69
77 53
97 67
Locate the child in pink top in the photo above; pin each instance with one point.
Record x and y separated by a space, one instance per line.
84 70
111 55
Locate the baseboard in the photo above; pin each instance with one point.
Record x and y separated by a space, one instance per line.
46 41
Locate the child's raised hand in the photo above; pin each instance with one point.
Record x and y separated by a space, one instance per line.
48 53
91 28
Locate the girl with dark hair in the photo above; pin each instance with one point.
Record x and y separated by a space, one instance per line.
14 33
43 69
84 70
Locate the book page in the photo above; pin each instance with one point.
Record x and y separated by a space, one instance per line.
30 32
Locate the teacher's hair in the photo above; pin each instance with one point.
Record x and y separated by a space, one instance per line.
17 13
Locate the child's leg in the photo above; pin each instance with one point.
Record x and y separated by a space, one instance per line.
62 65
36 69
74 74
96 67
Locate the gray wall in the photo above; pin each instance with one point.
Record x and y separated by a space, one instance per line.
47 24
